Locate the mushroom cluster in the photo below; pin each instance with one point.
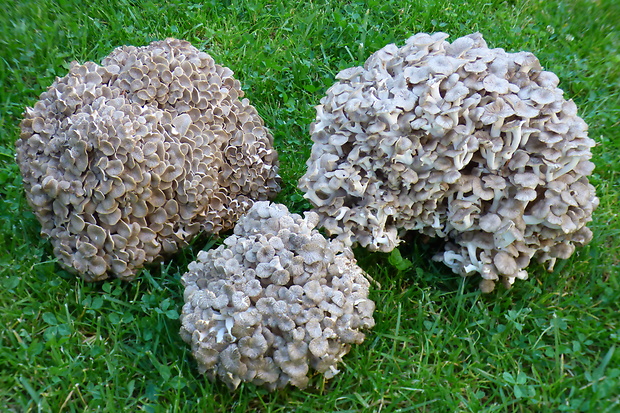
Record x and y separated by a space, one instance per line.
276 299
128 160
458 141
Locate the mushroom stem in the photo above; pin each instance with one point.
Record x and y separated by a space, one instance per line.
566 168
515 141
496 127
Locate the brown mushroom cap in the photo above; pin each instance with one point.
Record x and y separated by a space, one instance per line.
137 155
479 148
264 328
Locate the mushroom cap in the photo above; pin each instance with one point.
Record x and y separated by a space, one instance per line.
137 155
262 326
504 263
485 139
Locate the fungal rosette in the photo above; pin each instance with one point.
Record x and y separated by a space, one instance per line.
126 161
458 141
274 301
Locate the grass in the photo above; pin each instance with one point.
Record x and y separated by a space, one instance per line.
552 343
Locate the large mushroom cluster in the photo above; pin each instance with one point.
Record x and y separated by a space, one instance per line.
127 160
458 141
274 301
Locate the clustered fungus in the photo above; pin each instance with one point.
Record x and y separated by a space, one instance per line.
458 141
125 161
274 301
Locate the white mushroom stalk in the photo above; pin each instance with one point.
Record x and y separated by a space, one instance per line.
126 161
457 141
275 301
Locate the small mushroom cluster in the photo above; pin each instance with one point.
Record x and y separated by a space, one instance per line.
459 141
276 299
125 161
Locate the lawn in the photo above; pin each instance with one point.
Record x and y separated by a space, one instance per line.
552 343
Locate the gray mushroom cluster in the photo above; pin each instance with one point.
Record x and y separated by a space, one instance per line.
128 160
458 141
274 301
